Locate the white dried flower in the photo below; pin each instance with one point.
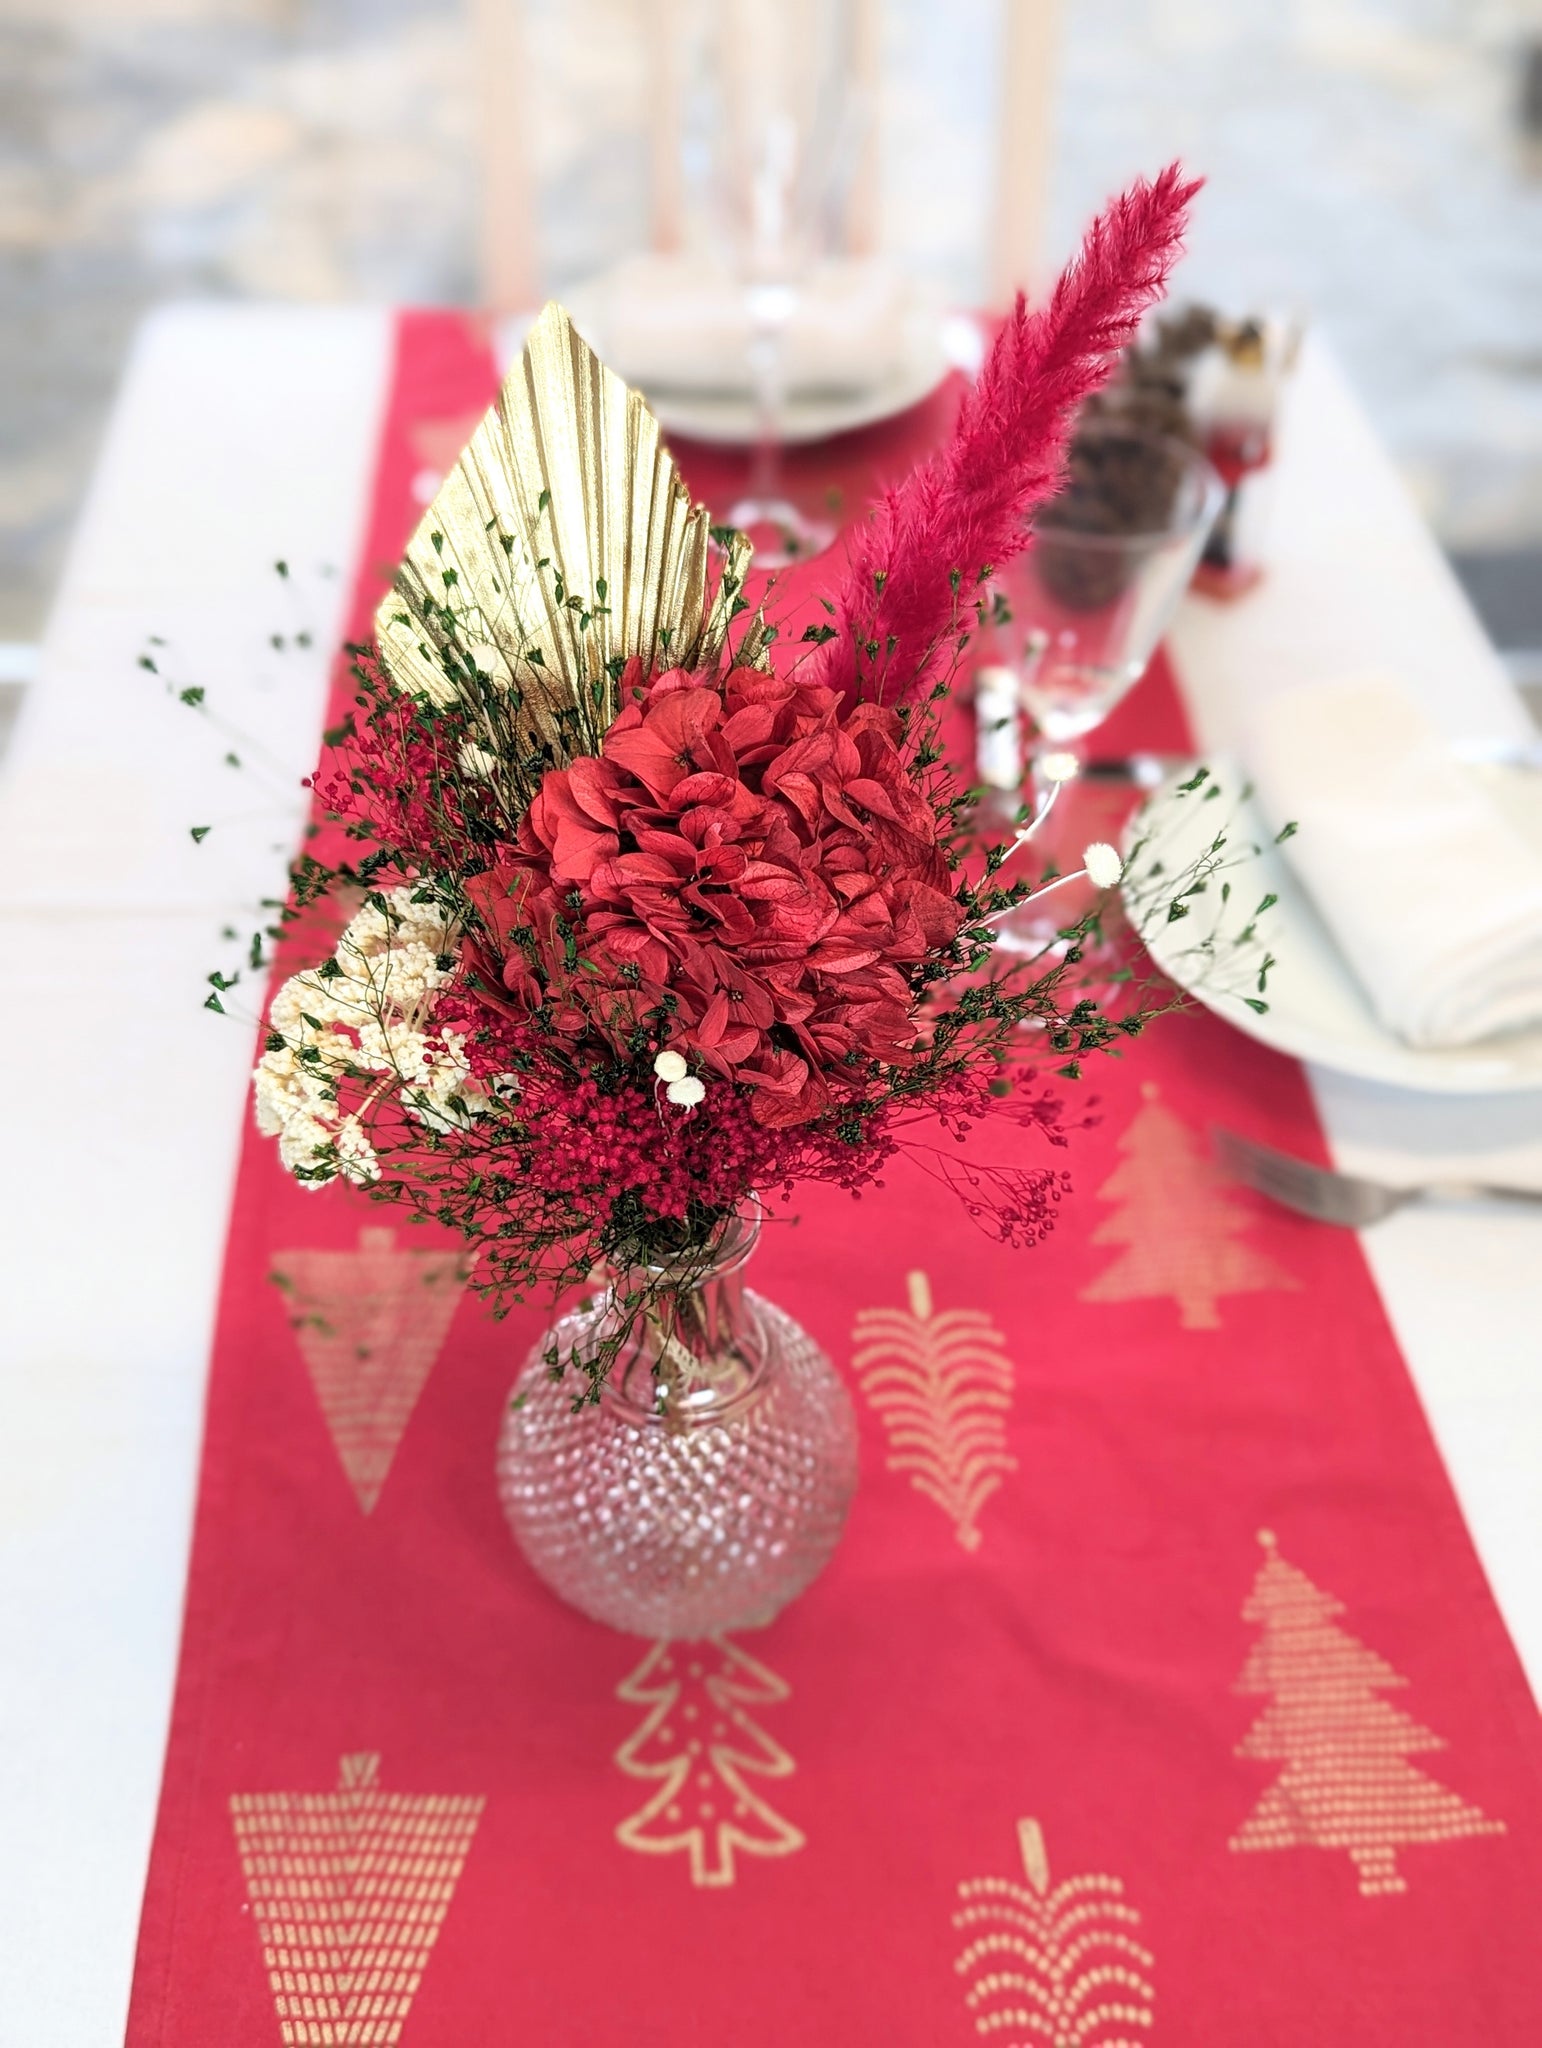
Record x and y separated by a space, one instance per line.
1103 865
477 762
1058 767
370 1014
687 1092
356 1153
670 1066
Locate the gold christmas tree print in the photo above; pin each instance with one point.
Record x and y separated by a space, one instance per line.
1179 1217
1053 1966
1345 1783
700 1750
942 1386
369 1324
349 1890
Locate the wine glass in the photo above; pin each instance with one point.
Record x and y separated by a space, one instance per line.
1079 616
789 115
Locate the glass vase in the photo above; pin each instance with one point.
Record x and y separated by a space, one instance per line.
709 1483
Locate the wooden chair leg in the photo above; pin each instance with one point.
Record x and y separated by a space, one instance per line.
1025 146
506 239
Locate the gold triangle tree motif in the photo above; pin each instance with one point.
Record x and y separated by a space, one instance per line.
700 1749
941 1383
1180 1219
1345 1783
349 1890
370 1324
1053 1966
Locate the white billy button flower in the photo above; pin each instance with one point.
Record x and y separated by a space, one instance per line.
670 1066
1058 767
686 1092
1103 865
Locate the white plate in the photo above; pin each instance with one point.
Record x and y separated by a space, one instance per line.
1316 1008
928 350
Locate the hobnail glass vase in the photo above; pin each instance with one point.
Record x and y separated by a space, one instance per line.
709 1483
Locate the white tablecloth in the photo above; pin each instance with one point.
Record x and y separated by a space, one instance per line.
246 435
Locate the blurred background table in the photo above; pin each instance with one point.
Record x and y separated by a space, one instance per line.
245 435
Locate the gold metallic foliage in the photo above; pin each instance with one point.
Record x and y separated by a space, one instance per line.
561 544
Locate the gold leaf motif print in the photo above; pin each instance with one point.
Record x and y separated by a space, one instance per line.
941 1383
369 1324
1053 1967
700 1748
349 1890
1345 1784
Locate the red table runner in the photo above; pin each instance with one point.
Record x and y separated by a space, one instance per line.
1155 1693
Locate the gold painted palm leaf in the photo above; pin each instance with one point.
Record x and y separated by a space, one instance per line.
562 543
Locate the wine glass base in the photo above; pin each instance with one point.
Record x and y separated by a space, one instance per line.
779 533
1032 935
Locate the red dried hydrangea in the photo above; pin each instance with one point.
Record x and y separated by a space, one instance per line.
752 854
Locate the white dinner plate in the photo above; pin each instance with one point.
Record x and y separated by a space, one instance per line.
926 353
1316 1008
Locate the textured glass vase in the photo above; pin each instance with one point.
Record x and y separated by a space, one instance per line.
709 1483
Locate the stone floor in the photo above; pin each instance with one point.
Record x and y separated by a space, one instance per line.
1367 163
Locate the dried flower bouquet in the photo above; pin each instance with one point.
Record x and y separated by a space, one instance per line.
649 913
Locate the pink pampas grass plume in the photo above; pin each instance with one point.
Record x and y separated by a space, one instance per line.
964 509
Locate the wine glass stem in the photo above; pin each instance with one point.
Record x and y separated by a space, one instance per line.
770 309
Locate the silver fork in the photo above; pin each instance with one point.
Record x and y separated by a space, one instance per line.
1343 1198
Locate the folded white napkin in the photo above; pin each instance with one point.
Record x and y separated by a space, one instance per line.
1434 897
677 323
